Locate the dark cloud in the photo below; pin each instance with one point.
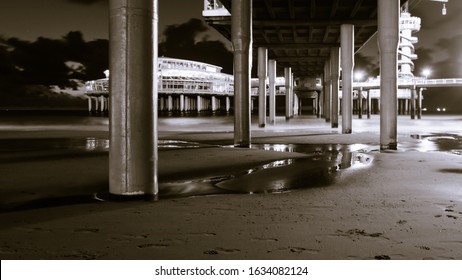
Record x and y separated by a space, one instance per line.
187 41
28 69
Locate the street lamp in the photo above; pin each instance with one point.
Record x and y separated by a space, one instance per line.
426 72
359 76
444 10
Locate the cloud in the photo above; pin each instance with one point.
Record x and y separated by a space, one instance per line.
29 69
187 41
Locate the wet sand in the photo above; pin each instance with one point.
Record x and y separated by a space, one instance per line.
404 204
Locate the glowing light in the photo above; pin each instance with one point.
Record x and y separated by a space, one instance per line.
359 75
426 72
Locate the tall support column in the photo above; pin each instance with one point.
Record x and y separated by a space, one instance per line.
96 103
170 103
133 115
368 103
288 77
335 74
89 103
360 103
419 103
199 103
214 103
296 105
292 95
182 103
347 47
241 38
327 91
272 90
388 37
412 107
262 73
228 104
319 104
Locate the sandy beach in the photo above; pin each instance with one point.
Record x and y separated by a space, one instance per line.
303 191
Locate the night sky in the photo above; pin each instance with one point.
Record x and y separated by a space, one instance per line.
439 47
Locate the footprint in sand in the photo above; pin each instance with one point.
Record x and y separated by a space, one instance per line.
220 250
152 245
87 230
204 234
265 239
127 237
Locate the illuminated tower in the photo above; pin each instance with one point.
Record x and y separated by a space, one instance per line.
408 25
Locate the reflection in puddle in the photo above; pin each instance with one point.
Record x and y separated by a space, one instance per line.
436 142
320 168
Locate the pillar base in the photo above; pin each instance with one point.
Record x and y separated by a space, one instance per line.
391 146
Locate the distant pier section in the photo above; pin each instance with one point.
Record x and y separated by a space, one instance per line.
184 85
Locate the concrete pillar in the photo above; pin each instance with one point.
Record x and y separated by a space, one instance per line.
360 104
241 38
272 90
419 103
319 104
182 104
170 103
228 104
199 103
327 91
262 73
347 48
413 96
214 103
292 95
368 104
287 76
89 103
335 74
96 103
296 105
101 103
133 116
388 37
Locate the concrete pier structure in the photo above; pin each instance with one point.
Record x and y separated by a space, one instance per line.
335 75
327 91
262 75
288 89
388 38
272 90
133 115
347 58
241 38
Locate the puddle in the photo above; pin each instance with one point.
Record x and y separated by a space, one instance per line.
451 143
321 168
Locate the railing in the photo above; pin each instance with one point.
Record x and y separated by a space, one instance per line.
419 81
